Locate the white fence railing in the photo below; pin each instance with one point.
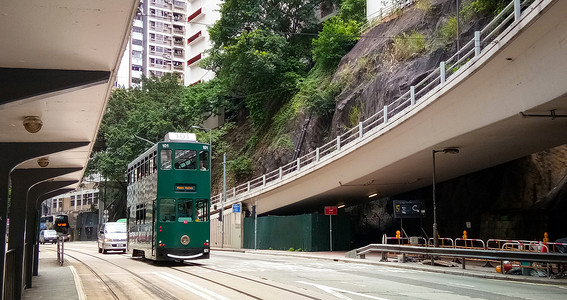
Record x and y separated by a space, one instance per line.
404 104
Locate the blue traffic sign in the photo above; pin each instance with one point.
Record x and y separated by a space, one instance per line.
236 208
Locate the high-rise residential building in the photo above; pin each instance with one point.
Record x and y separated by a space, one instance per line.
169 36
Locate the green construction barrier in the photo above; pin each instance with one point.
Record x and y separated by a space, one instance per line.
309 232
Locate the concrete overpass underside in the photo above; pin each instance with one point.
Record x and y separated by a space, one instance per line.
477 111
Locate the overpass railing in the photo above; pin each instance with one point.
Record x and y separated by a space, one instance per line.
376 124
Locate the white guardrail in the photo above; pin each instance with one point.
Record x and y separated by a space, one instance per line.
405 103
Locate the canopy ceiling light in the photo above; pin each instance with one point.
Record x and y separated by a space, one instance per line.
32 124
43 162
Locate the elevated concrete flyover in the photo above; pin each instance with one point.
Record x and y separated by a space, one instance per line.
58 64
508 100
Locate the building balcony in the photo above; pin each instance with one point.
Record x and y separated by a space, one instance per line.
179 5
178 17
163 4
197 36
193 60
160 66
178 42
163 42
162 29
180 31
179 54
196 15
178 66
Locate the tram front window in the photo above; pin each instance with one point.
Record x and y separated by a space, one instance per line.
185 210
186 159
167 210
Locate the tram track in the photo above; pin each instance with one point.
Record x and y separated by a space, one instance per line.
159 292
150 286
240 277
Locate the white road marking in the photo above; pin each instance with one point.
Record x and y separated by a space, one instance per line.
337 292
462 285
193 288
78 284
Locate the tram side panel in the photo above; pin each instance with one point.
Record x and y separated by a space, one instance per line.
141 211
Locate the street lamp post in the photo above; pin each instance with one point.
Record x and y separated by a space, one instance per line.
435 233
211 180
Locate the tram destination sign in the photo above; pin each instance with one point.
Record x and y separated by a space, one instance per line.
409 209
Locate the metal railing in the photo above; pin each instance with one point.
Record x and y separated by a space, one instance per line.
375 124
479 254
384 12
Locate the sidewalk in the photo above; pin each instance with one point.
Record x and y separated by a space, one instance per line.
53 281
473 268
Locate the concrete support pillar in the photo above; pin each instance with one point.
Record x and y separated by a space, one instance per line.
22 181
14 154
32 222
38 207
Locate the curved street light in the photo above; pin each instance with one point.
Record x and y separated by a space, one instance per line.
435 233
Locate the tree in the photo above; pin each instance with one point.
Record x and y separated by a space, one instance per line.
336 39
146 112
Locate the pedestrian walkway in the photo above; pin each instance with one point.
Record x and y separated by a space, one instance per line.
54 281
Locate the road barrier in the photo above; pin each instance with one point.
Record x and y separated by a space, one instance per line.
474 243
443 242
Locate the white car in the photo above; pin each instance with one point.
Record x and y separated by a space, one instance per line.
112 236
47 236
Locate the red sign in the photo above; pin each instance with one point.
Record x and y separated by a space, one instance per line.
330 210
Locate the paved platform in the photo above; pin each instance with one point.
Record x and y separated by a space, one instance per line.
62 282
54 281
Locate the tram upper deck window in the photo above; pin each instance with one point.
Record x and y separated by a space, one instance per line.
185 210
204 160
167 210
186 159
165 159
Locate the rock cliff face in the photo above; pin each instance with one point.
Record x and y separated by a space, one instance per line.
520 199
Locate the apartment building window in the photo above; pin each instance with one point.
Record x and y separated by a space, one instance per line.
137 54
79 197
179 4
95 198
157 74
137 68
137 42
137 29
60 204
159 13
72 201
89 200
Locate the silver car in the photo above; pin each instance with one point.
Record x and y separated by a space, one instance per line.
47 236
112 236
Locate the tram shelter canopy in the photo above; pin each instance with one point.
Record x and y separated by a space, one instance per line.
58 65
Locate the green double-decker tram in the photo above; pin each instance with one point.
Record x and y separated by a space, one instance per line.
168 200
